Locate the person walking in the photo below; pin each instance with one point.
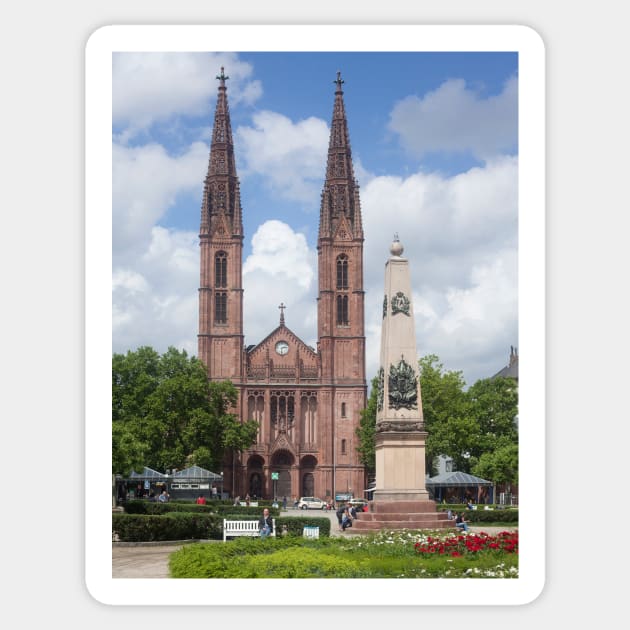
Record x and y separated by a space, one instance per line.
339 512
346 520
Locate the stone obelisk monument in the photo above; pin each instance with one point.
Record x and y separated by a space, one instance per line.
400 499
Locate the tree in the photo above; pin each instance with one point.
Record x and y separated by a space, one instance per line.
500 465
446 418
166 414
366 431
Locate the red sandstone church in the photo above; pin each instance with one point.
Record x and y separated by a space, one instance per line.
306 401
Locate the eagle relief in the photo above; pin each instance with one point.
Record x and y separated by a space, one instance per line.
400 303
403 386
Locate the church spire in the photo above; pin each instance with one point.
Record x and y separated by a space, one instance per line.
340 196
221 204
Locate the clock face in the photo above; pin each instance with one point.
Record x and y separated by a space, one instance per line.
282 347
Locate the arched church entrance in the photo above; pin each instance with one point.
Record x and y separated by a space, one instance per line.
281 463
307 470
255 476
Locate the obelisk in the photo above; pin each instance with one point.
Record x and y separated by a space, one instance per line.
400 435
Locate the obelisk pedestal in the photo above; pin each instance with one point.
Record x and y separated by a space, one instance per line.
400 499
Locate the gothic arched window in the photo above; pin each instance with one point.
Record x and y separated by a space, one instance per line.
220 307
220 270
342 272
342 310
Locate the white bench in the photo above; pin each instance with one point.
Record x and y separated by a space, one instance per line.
243 528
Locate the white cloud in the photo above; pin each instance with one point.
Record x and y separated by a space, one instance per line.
155 86
146 182
281 268
455 119
290 156
154 297
460 236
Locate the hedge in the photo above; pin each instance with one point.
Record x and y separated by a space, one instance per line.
188 526
139 506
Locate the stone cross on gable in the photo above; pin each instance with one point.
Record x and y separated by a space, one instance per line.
282 307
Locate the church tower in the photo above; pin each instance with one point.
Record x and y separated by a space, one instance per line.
220 339
306 401
340 303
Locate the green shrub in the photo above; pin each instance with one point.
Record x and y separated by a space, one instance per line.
172 526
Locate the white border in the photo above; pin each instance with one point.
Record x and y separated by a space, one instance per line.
530 47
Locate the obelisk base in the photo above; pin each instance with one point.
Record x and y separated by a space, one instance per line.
401 500
400 467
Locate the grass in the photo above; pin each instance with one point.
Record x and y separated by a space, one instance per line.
384 555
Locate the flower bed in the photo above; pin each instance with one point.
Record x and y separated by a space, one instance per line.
387 554
462 544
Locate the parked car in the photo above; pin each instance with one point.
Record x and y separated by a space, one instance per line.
311 503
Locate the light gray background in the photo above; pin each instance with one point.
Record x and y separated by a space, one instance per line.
42 136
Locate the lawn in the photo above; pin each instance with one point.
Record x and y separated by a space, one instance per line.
400 554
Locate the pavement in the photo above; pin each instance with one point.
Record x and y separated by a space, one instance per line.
150 559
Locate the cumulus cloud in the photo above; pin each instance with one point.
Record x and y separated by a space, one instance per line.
455 119
288 155
156 86
154 296
146 181
281 268
460 236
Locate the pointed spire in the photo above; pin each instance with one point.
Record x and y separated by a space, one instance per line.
221 195
282 307
340 192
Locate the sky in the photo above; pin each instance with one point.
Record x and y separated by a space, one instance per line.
435 151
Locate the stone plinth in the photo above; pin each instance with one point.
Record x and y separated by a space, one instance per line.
400 466
401 515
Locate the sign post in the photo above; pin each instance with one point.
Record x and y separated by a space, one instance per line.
274 478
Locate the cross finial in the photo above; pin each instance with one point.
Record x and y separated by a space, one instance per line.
222 77
282 307
339 80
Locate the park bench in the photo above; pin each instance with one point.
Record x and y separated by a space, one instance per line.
243 528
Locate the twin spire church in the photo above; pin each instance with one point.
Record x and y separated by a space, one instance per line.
307 402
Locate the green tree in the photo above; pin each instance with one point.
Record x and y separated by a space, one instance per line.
446 418
166 414
366 431
500 465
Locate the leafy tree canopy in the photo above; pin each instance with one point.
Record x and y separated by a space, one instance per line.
476 428
166 414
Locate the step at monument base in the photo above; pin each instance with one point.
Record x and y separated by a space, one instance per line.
401 515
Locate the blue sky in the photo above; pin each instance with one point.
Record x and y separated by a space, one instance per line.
434 142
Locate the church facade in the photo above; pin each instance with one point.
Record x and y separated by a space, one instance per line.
307 401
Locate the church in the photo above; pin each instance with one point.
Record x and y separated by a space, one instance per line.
306 400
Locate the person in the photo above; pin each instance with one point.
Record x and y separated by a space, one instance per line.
346 520
247 499
152 496
296 502
214 491
460 521
340 511
353 512
284 503
163 498
237 501
449 514
201 500
265 524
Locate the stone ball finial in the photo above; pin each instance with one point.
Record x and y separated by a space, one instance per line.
396 248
